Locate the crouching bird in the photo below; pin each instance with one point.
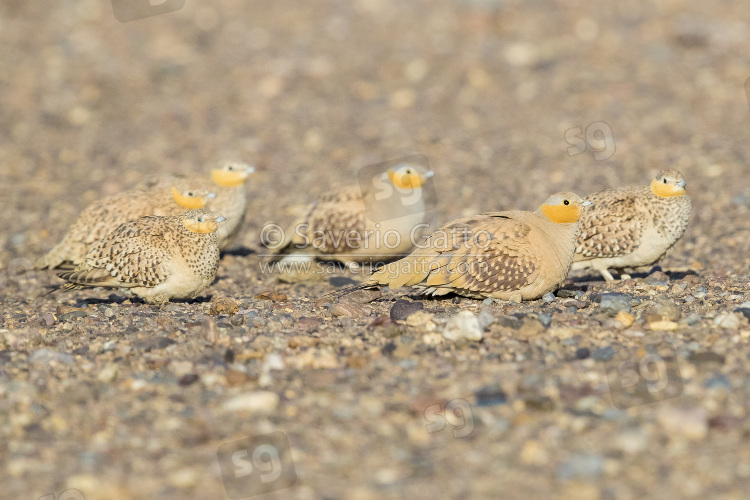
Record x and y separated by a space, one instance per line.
157 258
511 256
228 183
104 216
357 224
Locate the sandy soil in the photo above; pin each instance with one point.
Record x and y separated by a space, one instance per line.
255 387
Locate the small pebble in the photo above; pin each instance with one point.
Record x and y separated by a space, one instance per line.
491 395
582 466
485 318
401 309
719 381
464 325
603 353
261 402
727 320
108 374
707 358
666 308
548 297
46 356
544 319
223 306
625 318
663 326
346 310
613 303
691 423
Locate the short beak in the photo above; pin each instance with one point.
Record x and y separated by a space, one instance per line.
681 184
221 219
586 203
250 169
211 195
429 174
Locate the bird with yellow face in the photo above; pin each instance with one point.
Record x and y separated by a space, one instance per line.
374 222
105 215
228 182
634 226
157 258
512 255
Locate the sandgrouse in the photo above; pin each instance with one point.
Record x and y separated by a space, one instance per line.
105 215
512 255
357 224
632 227
228 182
157 258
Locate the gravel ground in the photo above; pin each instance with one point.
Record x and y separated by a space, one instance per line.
632 390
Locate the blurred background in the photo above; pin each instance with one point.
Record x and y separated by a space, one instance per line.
309 92
510 100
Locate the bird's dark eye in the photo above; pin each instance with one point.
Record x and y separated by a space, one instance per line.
665 181
566 202
200 219
408 171
190 193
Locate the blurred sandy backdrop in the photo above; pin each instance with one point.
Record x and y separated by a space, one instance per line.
309 92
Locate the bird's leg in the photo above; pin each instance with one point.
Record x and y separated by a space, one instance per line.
606 274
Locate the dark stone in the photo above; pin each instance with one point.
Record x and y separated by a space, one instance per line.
718 381
612 303
154 343
229 356
706 357
188 379
583 353
490 395
388 349
564 293
510 322
544 319
744 311
539 403
603 353
402 309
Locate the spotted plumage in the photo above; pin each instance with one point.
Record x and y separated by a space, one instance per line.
156 257
228 182
341 225
504 255
633 227
105 215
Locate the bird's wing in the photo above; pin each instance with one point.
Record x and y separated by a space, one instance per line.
486 253
610 226
133 255
334 224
